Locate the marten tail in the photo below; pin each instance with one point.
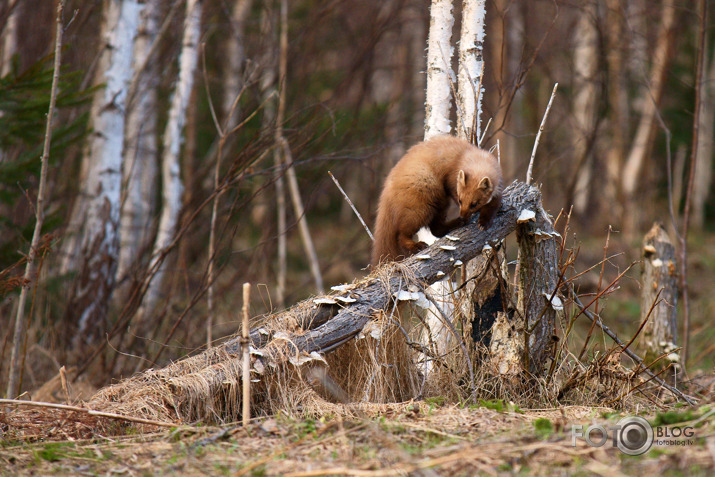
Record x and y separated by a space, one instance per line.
385 248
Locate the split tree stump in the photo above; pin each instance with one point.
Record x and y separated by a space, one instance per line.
659 297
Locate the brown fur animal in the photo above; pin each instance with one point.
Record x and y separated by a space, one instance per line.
418 190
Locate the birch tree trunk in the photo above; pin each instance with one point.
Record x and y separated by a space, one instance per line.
471 63
469 111
140 169
97 208
585 55
439 71
170 165
437 110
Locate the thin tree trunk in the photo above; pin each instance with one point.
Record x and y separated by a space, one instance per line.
140 150
631 170
437 111
704 165
97 208
469 111
18 342
170 165
694 159
585 55
286 158
235 58
618 105
268 88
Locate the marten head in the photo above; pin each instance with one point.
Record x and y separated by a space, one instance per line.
473 193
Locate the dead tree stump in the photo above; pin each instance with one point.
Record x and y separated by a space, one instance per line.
538 301
659 297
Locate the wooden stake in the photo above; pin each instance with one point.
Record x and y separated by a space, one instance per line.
246 356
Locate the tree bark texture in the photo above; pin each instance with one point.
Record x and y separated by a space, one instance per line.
538 301
140 167
172 186
659 286
471 62
439 69
585 57
97 209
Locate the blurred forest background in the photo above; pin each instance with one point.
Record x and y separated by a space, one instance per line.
189 106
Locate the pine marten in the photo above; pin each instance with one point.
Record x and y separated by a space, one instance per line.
418 190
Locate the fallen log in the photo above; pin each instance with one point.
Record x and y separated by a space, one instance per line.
205 386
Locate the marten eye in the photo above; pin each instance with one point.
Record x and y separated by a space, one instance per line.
473 204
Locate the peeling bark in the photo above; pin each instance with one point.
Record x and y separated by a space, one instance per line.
538 301
93 251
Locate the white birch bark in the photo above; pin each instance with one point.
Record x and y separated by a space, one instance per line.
439 69
471 62
437 110
140 149
636 156
97 208
172 186
585 55
704 165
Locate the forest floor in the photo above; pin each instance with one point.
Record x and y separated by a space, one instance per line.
418 438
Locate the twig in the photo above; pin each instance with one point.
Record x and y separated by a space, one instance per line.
245 344
600 283
91 412
214 207
628 352
350 203
484 133
14 377
538 135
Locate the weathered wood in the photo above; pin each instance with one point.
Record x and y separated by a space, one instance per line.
376 294
659 297
328 326
205 386
538 300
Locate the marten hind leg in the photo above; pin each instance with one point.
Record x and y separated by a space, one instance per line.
406 243
440 227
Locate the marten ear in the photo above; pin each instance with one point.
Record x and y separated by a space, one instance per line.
485 184
461 180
